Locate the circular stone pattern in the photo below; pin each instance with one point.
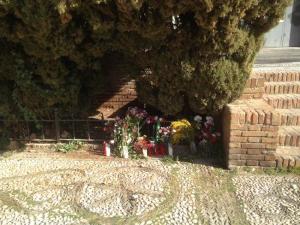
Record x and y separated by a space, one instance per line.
269 199
66 187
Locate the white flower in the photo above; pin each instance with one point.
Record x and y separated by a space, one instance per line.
112 142
198 118
174 131
209 118
203 142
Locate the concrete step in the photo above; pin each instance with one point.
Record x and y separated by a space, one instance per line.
282 87
281 76
289 136
283 101
289 117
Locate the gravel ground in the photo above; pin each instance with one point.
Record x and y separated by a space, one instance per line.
269 199
47 190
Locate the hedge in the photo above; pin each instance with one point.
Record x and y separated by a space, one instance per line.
183 54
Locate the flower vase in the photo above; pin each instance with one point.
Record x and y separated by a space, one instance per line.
145 152
125 152
170 149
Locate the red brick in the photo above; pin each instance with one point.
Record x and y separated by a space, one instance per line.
254 134
260 82
252 157
254 118
285 162
235 133
261 116
252 163
254 127
270 157
267 163
234 156
254 151
254 139
234 118
269 140
279 161
234 145
248 116
270 128
238 127
237 139
242 118
237 151
271 146
275 118
253 145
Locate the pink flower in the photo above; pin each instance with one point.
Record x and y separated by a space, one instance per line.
150 120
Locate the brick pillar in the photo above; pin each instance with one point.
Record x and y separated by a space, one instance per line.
250 131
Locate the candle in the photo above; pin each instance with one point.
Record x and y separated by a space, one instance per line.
145 153
170 149
125 152
108 149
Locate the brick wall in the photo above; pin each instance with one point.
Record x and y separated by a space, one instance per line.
116 98
254 87
250 133
262 128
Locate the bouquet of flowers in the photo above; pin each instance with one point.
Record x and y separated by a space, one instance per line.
206 133
141 144
206 130
164 134
125 131
182 132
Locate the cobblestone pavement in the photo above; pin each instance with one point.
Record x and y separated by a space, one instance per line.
63 191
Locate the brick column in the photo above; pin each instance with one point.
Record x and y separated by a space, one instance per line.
250 131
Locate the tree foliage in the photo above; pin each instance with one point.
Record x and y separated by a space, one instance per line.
190 53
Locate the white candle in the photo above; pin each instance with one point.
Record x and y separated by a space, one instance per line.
107 149
125 152
170 149
145 153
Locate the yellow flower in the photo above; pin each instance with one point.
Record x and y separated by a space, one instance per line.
184 132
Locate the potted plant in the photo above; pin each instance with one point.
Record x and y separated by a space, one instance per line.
206 134
164 134
181 137
141 146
